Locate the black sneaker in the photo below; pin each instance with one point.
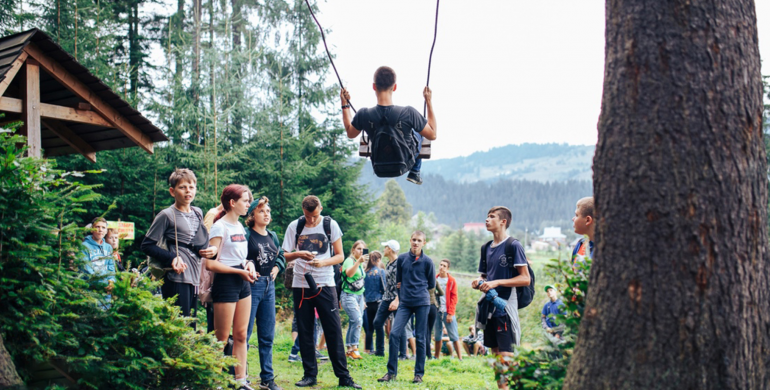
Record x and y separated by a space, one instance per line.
348 382
417 379
269 385
387 378
306 382
414 177
320 356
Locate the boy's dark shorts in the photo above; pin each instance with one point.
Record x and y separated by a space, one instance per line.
229 288
499 334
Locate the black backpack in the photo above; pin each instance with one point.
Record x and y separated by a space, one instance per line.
394 151
327 223
525 294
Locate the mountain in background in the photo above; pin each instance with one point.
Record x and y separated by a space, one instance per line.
537 162
539 182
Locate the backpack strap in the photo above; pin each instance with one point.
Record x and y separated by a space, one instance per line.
328 230
483 262
300 226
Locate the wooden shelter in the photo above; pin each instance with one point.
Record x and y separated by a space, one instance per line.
65 109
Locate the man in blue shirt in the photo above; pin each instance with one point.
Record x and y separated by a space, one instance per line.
415 276
551 309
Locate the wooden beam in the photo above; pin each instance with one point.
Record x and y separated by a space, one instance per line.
71 82
73 115
30 108
11 73
77 143
10 105
53 111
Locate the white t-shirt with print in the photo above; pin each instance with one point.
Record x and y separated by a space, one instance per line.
234 245
312 239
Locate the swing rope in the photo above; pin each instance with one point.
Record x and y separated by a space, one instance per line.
328 54
430 58
323 37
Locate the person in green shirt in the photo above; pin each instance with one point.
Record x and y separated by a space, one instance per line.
352 297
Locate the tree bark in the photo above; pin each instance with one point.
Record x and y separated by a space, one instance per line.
9 378
678 295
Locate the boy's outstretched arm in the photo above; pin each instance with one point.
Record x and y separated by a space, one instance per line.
429 131
347 115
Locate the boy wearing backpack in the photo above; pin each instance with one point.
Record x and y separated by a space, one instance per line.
395 132
504 272
314 243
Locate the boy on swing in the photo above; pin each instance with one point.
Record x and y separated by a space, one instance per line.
389 158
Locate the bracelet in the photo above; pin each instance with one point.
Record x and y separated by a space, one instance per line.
346 106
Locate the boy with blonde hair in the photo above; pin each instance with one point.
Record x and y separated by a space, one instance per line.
583 223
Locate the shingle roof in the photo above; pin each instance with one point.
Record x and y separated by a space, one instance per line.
52 92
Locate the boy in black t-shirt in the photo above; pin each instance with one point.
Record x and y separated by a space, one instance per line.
502 330
409 121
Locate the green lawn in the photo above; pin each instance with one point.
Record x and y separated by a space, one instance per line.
445 373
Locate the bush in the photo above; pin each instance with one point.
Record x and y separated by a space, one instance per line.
545 368
52 313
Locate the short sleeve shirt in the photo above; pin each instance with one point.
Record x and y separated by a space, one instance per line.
391 271
262 251
312 239
551 310
442 282
499 266
187 224
409 120
356 276
234 246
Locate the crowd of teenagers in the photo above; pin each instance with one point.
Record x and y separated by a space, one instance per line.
232 269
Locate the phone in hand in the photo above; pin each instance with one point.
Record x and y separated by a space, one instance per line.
366 251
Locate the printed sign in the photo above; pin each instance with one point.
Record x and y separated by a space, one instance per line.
125 229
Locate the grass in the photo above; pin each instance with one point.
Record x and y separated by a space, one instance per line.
445 373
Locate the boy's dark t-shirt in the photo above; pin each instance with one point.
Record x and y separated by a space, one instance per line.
263 251
500 267
410 119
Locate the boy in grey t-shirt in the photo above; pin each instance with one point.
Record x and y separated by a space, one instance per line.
180 223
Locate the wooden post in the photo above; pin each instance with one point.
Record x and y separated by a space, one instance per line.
30 107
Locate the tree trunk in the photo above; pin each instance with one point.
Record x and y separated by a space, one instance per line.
9 378
678 293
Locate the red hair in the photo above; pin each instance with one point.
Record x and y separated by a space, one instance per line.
231 192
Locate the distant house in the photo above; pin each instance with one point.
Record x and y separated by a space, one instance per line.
475 227
553 235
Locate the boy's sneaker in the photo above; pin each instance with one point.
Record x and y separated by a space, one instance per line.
293 358
306 381
269 385
348 382
353 354
414 177
319 356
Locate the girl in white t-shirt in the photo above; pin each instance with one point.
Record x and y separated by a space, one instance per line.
231 290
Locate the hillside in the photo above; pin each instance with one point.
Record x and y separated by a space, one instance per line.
537 162
540 183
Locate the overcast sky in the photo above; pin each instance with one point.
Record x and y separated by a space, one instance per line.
504 72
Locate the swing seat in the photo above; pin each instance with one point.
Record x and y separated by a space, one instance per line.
363 149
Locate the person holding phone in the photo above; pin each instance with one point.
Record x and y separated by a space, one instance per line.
352 298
